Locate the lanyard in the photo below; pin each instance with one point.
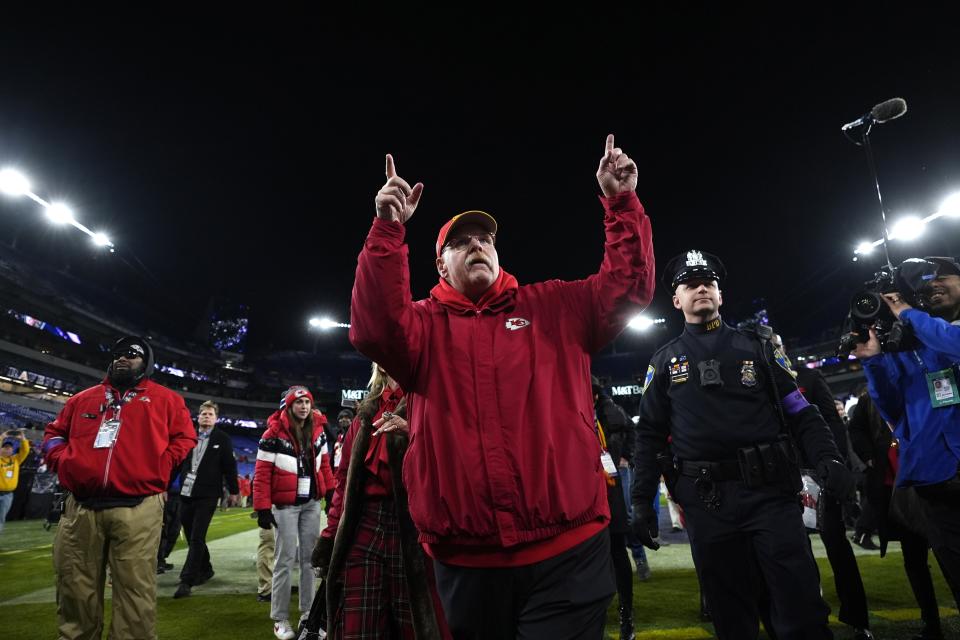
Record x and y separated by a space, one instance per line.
198 451
603 439
111 401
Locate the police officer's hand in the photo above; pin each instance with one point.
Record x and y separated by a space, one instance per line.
320 558
397 200
265 519
617 172
645 525
836 479
869 348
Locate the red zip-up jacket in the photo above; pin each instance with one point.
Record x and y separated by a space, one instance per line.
275 473
155 435
503 449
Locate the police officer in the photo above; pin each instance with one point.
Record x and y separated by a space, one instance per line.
719 417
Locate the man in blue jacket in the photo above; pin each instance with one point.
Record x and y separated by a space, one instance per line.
916 391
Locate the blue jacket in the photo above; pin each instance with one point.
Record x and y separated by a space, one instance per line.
929 437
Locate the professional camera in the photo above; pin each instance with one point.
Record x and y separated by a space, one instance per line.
867 308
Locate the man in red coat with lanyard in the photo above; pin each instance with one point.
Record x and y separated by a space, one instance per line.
505 470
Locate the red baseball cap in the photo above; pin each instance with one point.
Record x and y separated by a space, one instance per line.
481 218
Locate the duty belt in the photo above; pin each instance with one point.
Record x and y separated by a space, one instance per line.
718 471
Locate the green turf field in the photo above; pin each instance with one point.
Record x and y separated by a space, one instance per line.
666 606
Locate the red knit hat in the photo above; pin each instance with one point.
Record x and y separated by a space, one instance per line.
293 394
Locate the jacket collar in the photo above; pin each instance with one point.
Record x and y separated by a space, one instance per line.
499 297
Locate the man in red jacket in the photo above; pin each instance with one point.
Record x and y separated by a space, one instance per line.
504 469
113 447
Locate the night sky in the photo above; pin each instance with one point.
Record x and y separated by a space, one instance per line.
242 160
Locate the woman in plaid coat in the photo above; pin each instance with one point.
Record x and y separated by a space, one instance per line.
378 583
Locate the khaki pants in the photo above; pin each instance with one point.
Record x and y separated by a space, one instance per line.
127 539
265 561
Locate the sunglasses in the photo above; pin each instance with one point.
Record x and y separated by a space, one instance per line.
129 354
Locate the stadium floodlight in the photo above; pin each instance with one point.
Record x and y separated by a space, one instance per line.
907 228
325 324
642 323
951 206
59 213
14 183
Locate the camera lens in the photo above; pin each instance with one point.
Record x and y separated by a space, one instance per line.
865 305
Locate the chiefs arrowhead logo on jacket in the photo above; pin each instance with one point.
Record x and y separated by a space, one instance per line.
517 323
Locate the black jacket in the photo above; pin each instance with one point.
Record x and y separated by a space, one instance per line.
816 390
217 467
618 428
734 406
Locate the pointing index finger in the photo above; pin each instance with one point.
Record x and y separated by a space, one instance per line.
391 169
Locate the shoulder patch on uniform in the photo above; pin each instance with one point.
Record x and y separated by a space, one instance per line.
783 361
648 378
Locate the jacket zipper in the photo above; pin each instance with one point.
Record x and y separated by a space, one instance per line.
106 471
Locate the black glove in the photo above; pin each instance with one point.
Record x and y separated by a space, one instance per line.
645 525
265 519
836 478
320 559
327 501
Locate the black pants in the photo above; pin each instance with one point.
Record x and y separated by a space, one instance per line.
622 570
754 530
171 527
915 565
196 516
941 505
846 573
561 598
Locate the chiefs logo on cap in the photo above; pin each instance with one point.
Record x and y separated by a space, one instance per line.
517 323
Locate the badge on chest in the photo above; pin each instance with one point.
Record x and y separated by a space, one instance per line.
107 434
679 369
748 374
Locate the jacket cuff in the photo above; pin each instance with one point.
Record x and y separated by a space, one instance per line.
387 230
874 362
621 202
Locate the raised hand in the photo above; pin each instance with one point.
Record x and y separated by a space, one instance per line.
397 200
617 172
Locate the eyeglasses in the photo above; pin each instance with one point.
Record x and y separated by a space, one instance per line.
462 242
129 354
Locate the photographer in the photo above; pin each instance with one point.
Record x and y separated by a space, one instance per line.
917 392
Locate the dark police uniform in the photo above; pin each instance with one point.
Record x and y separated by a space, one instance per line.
710 422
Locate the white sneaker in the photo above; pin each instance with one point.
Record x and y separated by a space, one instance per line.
282 630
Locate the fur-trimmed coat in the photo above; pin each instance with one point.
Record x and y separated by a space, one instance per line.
422 605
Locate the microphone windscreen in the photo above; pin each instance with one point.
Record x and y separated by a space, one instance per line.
889 110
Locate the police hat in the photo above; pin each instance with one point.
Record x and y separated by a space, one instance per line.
693 264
